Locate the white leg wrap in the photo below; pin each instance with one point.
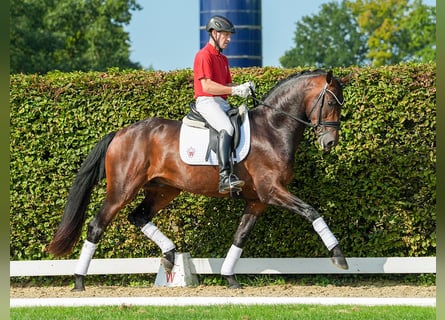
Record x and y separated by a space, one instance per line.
153 233
230 261
325 233
86 254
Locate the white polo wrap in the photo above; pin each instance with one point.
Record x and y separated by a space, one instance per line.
153 233
325 233
86 255
230 261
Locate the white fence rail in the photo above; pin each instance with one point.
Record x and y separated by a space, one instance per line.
402 265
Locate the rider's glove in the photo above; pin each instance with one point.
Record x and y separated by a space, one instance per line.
252 86
243 90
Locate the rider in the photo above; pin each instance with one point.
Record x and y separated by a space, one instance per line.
213 84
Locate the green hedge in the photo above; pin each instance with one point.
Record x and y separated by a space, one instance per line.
376 189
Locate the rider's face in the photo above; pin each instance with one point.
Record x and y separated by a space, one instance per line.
223 38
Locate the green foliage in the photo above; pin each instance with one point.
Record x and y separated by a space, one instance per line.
376 189
388 26
329 38
70 35
360 32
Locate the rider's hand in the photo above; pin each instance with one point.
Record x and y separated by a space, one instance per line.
243 90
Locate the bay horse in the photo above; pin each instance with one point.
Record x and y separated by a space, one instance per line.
145 155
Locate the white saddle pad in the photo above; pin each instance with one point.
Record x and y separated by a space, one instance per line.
193 143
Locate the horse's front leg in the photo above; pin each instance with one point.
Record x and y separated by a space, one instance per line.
248 220
281 197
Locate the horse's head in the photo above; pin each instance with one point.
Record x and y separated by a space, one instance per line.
323 108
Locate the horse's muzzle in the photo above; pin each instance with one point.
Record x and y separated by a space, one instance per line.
327 140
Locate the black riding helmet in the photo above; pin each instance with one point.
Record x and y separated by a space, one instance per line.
219 24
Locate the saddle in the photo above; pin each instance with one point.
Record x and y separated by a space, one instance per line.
236 116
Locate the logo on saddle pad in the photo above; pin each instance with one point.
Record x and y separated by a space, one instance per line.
194 142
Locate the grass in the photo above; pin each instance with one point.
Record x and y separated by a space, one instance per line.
228 312
241 312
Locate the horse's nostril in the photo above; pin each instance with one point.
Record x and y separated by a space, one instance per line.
330 143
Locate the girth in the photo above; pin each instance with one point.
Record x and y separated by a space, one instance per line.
236 116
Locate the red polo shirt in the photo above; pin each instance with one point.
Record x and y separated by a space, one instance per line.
210 64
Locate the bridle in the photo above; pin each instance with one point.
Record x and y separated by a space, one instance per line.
320 98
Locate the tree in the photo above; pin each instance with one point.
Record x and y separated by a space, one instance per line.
330 38
69 35
379 32
421 45
397 30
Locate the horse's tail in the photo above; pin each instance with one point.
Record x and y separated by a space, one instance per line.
74 215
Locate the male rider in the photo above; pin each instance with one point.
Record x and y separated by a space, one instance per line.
213 84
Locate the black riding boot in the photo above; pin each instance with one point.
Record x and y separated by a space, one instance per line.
227 181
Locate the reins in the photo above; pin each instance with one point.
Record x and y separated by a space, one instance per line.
258 102
335 124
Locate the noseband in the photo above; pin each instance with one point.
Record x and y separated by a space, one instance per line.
320 98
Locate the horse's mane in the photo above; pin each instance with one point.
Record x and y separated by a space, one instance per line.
293 76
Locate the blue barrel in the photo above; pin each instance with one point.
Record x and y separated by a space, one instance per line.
245 49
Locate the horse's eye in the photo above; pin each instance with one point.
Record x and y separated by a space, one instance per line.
331 103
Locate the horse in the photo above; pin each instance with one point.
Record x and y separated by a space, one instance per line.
144 155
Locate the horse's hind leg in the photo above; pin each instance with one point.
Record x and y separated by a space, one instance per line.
156 198
96 228
115 200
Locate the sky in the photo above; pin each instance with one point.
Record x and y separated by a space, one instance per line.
165 33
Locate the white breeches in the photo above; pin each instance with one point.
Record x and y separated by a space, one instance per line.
214 110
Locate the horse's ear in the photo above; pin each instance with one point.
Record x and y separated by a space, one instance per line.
329 77
345 80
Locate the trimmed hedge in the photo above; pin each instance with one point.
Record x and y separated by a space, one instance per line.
376 189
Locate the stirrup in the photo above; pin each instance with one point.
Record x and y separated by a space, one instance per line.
233 184
236 182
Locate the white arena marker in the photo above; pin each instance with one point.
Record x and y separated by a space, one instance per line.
181 274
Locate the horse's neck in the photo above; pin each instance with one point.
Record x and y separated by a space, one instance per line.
274 125
289 104
288 97
280 112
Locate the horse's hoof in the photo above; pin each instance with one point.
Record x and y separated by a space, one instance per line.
79 284
340 262
233 284
338 259
168 261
